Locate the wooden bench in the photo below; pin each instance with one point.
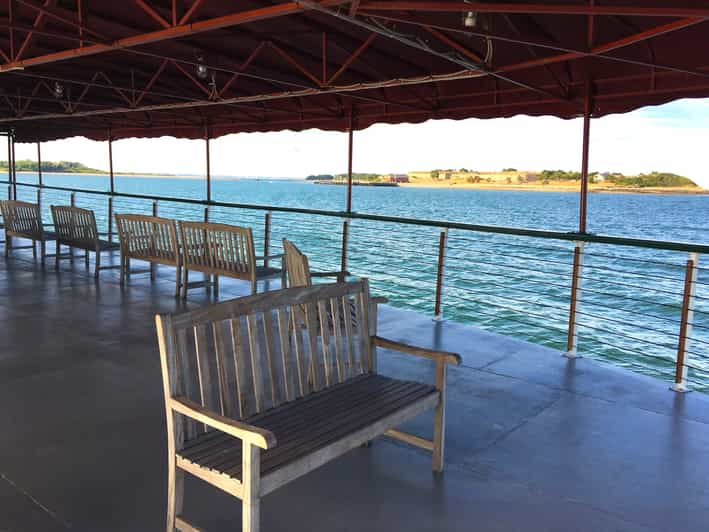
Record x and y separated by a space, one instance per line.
76 228
151 239
221 250
24 220
298 273
258 393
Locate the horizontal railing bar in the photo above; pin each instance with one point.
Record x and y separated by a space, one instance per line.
644 288
523 257
632 259
629 337
513 231
630 362
516 311
453 293
489 241
629 311
627 323
508 276
565 297
516 320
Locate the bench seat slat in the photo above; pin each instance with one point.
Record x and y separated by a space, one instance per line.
304 426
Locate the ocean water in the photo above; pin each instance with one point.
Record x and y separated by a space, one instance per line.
629 308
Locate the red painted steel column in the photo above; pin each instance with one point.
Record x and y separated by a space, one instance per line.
209 173
110 162
14 171
584 158
349 166
39 164
9 167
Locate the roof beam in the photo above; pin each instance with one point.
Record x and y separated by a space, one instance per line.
142 4
173 32
536 8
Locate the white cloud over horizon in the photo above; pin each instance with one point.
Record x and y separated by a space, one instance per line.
668 138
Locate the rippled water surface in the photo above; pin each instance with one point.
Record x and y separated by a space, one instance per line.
630 303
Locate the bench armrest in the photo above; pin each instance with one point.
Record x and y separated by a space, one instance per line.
254 435
379 300
442 356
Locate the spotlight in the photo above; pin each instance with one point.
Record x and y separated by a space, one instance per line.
202 70
470 20
58 90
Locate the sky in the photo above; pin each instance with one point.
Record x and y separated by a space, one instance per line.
670 138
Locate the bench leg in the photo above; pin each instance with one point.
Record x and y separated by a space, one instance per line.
439 419
185 280
97 266
34 249
251 481
175 494
43 251
86 259
8 245
123 270
178 274
57 252
216 286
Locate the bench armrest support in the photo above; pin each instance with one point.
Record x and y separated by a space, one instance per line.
439 356
259 437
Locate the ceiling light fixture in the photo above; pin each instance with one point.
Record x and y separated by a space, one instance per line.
58 90
202 70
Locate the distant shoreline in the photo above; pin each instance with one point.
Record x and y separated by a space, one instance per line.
555 187
530 187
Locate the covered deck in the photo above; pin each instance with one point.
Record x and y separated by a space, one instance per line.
536 441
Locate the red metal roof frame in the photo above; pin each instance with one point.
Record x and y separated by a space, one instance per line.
130 69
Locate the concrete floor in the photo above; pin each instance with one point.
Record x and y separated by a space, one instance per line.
535 442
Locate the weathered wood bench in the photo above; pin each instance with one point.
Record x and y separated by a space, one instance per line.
24 220
221 250
150 239
76 228
298 273
258 393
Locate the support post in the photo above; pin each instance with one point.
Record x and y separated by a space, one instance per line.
350 134
72 199
209 173
437 312
152 264
266 238
688 299
343 255
9 166
583 203
206 214
110 218
14 171
110 163
39 164
573 334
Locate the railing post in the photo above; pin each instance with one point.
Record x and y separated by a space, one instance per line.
206 214
110 219
152 264
72 199
437 313
345 236
266 238
573 336
685 328
39 201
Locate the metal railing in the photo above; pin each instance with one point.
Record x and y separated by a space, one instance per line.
642 304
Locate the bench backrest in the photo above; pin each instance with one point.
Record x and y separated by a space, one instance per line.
218 248
22 218
247 355
74 225
297 265
148 237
